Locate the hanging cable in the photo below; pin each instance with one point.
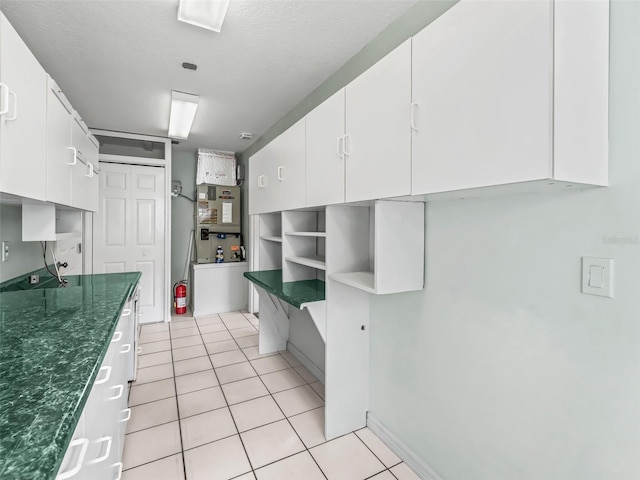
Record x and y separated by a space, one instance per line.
184 196
44 258
61 280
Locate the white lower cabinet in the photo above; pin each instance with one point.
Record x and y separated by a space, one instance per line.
95 451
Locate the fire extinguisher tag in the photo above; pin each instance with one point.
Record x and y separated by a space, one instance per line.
182 302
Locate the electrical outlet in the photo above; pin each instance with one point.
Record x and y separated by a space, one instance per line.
33 279
5 250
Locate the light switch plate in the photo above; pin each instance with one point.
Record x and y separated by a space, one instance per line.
597 276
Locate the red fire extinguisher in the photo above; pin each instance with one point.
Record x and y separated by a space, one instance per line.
180 298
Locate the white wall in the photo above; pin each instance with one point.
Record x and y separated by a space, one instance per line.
24 257
183 168
501 369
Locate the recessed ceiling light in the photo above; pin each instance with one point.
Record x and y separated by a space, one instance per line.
207 14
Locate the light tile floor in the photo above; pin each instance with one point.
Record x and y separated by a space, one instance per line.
206 405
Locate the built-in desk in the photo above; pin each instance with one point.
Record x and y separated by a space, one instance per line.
274 317
298 294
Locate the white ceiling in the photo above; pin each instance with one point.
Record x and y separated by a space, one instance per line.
118 60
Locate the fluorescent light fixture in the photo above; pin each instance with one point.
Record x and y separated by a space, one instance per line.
207 14
183 111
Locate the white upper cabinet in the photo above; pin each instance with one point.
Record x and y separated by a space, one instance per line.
378 135
489 105
581 92
277 173
46 151
261 186
23 103
289 174
325 157
85 182
72 155
61 156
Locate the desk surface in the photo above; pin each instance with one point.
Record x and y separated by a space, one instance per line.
294 293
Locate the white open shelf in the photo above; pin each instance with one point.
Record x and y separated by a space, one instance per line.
303 245
362 280
270 241
307 234
272 238
315 261
364 253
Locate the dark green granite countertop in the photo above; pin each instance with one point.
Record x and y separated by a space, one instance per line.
294 293
52 342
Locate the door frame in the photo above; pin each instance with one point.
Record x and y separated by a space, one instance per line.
156 162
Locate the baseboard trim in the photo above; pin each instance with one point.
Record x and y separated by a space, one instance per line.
308 364
415 463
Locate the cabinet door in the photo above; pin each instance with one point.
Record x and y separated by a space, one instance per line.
61 156
378 142
79 192
289 169
325 159
23 126
93 182
257 182
85 183
482 93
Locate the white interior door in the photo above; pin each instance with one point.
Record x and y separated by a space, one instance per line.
130 230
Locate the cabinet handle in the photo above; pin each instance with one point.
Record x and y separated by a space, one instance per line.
109 440
126 312
90 174
116 337
107 369
346 145
119 465
84 444
280 169
339 147
412 117
120 389
128 412
75 155
126 348
260 181
4 101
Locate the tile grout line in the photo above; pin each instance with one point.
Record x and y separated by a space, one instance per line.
269 394
184 464
306 449
227 403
